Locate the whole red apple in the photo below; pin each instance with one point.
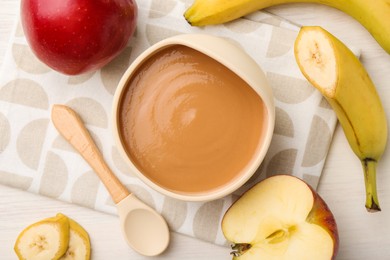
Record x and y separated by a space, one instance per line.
77 36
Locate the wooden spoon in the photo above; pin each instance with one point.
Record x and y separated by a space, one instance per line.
143 228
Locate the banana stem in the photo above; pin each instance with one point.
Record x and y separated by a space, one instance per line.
369 167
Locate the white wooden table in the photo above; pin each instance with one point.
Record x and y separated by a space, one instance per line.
362 235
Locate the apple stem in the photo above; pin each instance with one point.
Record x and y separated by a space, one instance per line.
239 249
369 167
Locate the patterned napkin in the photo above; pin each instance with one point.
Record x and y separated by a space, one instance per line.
33 157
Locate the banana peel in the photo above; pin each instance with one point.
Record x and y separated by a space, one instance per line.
336 72
373 15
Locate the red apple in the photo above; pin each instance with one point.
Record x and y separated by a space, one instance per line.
77 36
281 217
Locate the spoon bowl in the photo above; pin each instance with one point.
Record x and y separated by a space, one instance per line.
137 218
143 228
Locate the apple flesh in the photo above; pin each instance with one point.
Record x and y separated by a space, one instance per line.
78 36
281 217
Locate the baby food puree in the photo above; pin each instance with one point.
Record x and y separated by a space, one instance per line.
188 123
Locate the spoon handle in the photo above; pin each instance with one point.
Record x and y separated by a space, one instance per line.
70 126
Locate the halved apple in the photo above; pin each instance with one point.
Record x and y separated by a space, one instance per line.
281 217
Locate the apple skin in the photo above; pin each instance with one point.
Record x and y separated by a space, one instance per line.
320 215
78 36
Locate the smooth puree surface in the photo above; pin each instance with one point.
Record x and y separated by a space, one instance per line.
188 123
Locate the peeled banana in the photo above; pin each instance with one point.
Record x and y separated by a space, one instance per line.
373 15
336 72
53 238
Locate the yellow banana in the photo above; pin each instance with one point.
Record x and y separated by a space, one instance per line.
374 15
335 71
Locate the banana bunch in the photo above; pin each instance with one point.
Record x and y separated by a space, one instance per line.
335 71
374 15
57 237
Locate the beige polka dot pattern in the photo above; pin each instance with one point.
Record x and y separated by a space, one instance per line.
325 104
119 163
289 90
15 180
285 125
112 72
282 163
5 131
19 30
312 180
272 20
25 92
87 181
61 143
281 43
155 33
30 141
27 61
186 3
317 143
91 112
256 177
246 26
34 157
142 193
55 176
161 8
175 212
206 220
75 80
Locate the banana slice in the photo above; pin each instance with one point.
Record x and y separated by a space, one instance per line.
46 239
79 245
316 58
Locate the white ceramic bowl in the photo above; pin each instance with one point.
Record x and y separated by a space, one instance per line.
237 60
